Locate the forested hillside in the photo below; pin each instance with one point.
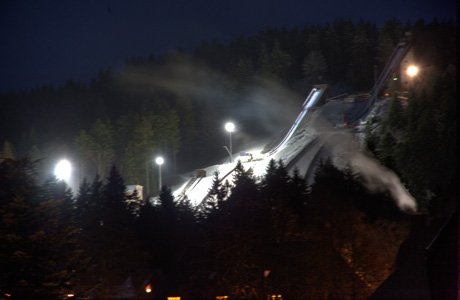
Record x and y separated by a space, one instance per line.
175 104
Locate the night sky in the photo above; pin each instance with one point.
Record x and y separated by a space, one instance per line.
43 42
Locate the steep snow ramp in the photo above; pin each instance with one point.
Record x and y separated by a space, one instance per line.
312 99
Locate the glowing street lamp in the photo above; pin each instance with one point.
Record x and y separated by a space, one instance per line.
412 71
63 170
230 127
159 160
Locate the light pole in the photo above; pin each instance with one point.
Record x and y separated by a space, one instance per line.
159 160
230 127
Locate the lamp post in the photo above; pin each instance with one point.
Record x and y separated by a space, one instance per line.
230 127
159 160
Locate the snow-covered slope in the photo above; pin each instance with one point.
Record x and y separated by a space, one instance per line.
195 188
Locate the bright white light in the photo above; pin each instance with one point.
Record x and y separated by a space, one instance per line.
62 170
230 127
159 160
412 71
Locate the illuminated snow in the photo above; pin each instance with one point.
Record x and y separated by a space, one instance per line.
200 187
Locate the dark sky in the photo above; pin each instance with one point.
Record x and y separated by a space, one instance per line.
44 42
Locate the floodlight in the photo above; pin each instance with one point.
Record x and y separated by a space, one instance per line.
63 169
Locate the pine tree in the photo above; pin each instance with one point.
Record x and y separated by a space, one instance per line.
332 51
264 61
83 204
167 206
187 126
362 61
168 235
274 185
97 147
115 200
216 194
244 71
284 217
148 225
280 61
386 43
138 155
89 213
113 246
38 253
173 141
298 196
314 67
35 153
315 39
122 134
447 132
325 198
7 151
270 174
238 238
102 146
395 118
385 150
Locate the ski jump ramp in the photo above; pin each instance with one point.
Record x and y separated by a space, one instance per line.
311 101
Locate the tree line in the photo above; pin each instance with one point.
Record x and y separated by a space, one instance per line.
251 237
